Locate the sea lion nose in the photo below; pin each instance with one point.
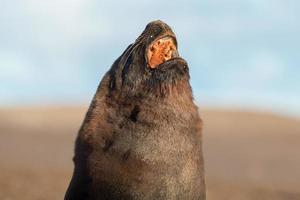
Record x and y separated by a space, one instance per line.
155 23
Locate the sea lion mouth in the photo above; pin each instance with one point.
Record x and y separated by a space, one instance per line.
161 50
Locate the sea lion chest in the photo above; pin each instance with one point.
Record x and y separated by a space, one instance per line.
150 144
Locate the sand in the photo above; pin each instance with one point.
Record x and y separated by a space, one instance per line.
247 155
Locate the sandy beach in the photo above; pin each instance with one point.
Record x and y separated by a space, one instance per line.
248 155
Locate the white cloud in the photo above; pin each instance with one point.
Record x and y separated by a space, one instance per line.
65 21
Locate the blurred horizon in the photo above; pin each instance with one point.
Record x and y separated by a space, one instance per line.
241 54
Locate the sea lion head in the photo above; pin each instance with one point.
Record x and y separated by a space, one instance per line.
151 65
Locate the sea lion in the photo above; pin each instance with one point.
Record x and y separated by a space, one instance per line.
141 137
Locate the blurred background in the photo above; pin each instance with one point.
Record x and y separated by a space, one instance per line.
244 64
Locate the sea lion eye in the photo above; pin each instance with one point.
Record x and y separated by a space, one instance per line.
160 50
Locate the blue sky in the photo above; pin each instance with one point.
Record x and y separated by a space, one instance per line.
242 54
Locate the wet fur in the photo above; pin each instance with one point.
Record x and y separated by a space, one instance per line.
141 137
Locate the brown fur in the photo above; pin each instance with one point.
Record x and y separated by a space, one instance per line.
141 137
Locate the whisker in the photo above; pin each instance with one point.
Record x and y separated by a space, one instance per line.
131 49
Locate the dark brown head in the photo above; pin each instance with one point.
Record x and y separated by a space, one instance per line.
151 65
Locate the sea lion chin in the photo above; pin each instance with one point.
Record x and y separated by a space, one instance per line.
141 137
